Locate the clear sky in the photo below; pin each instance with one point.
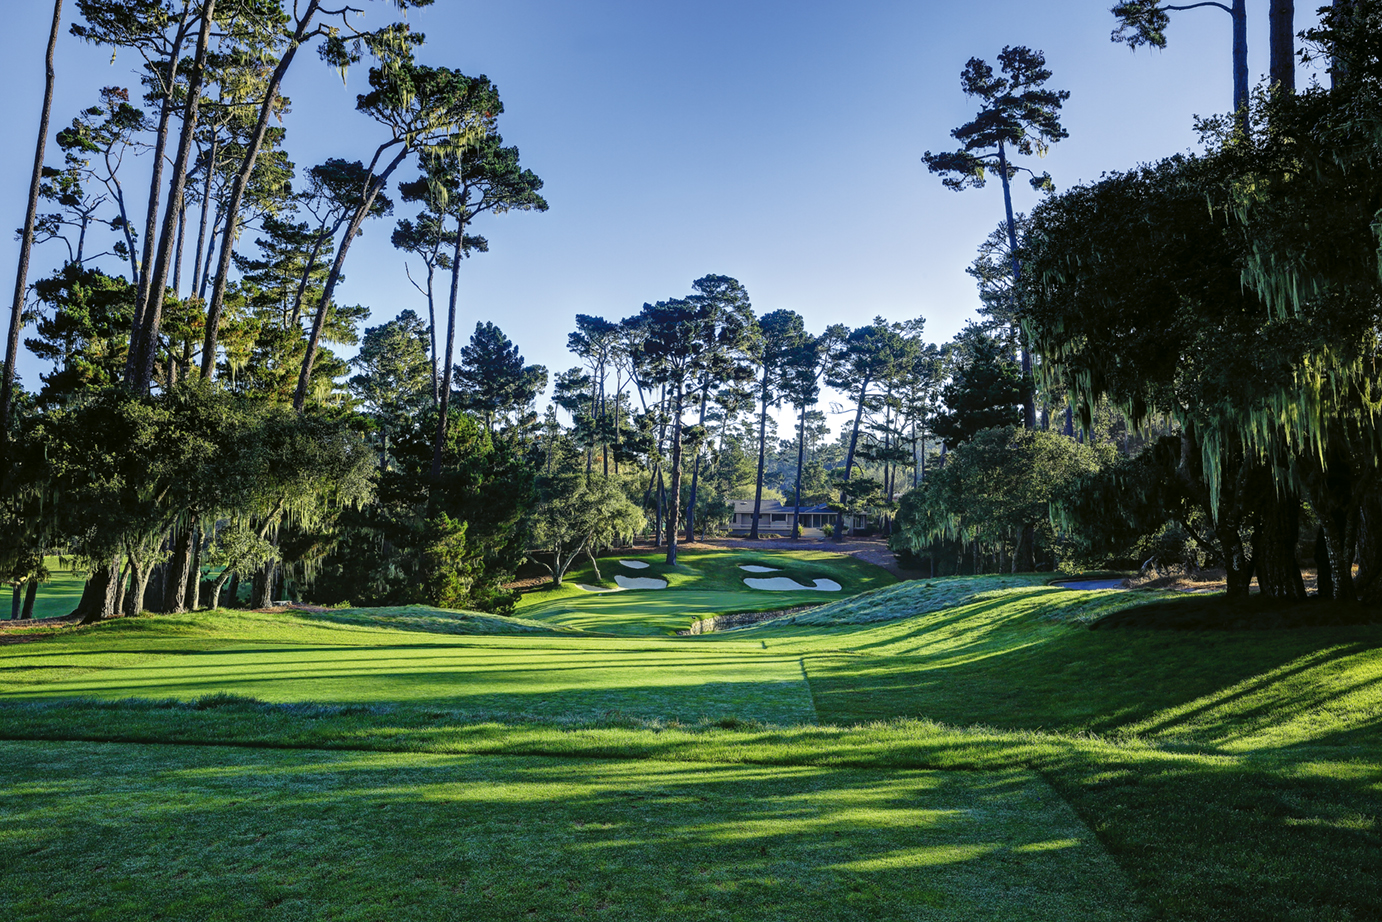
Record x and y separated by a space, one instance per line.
776 142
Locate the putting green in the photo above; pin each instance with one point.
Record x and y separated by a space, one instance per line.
703 583
145 831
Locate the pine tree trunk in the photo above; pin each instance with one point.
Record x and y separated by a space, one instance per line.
1028 398
1240 60
442 422
146 261
1283 44
26 242
695 478
377 184
674 506
801 459
152 311
242 180
762 453
849 460
17 600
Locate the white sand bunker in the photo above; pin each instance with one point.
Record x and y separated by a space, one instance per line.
785 584
635 564
584 588
637 582
755 568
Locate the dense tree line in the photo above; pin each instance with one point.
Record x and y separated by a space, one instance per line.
1174 362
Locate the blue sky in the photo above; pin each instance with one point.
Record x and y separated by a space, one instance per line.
776 142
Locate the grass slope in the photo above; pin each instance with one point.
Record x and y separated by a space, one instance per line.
1230 775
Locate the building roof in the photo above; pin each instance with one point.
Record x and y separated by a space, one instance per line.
772 506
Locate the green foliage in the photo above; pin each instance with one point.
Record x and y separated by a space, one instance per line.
83 331
578 514
993 487
395 550
493 382
1017 112
985 389
448 570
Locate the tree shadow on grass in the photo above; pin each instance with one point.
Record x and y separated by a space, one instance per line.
141 830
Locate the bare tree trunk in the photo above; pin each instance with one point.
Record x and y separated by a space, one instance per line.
762 453
30 594
140 576
1274 542
361 212
103 584
26 241
179 568
674 506
1283 44
440 440
153 306
242 180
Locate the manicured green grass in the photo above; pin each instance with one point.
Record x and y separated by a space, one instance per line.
314 657
55 598
703 583
1228 775
121 831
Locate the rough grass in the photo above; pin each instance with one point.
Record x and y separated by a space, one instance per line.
1229 775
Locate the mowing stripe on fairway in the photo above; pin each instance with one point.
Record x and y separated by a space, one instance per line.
130 831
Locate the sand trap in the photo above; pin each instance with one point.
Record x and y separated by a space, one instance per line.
755 568
636 582
635 564
784 584
584 588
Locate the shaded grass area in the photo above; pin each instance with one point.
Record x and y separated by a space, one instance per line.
145 831
1201 835
702 583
